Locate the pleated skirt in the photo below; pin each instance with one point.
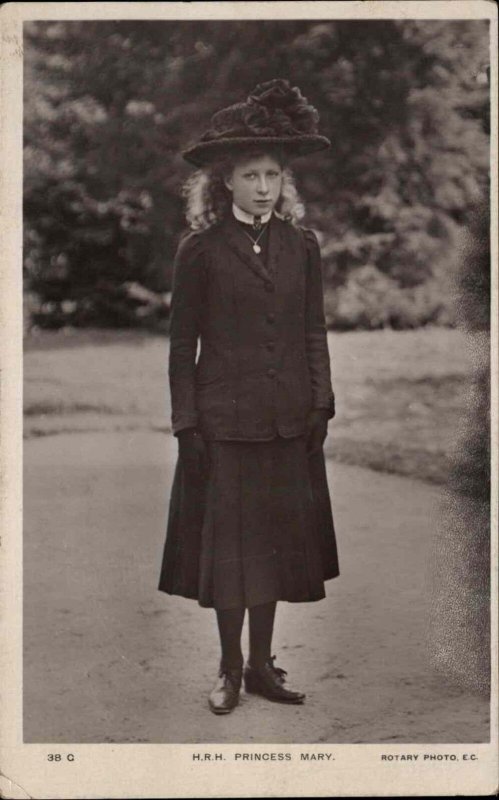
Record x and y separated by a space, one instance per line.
257 527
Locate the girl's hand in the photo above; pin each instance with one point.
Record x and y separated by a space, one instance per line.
193 452
316 429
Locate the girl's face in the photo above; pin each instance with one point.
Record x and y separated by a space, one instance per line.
256 184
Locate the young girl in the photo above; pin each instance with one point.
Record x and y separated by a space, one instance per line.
250 518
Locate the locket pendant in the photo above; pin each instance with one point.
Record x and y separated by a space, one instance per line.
257 248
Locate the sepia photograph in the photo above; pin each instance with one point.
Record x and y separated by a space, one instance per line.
256 384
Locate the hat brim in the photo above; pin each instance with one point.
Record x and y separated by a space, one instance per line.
205 153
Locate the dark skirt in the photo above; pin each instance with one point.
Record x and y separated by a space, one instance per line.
257 528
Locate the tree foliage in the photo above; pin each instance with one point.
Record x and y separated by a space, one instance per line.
110 105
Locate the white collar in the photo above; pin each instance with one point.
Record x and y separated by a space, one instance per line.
242 216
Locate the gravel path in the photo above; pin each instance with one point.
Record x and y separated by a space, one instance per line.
108 658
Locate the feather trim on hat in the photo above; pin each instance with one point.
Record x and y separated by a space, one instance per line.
275 108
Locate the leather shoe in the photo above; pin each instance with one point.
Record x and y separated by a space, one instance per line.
268 681
224 696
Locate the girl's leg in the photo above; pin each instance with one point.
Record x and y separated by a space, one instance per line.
261 628
260 674
230 625
224 696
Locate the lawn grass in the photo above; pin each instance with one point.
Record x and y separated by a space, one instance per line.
402 397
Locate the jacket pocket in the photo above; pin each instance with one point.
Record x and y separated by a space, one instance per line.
207 373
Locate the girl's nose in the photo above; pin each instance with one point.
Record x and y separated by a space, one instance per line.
263 185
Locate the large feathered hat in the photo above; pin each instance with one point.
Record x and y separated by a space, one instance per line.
275 114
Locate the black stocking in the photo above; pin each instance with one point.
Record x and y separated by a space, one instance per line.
230 624
261 626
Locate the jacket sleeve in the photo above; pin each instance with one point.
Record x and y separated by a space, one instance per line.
315 329
188 279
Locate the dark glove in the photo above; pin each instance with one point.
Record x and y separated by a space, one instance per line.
192 451
316 429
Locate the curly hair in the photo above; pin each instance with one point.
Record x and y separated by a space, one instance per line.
208 201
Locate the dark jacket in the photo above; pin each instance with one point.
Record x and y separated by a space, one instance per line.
264 361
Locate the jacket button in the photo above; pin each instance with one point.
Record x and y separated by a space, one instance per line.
270 317
269 287
271 373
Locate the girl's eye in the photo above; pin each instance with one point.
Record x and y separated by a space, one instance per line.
253 175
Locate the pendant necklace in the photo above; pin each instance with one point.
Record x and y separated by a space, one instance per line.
256 247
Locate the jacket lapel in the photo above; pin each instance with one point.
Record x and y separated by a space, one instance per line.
241 246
